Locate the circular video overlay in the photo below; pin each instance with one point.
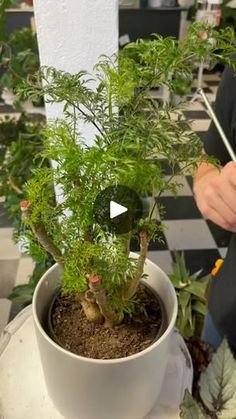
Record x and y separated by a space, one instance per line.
118 209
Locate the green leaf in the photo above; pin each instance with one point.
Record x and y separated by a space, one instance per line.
184 298
189 331
218 383
179 267
197 288
190 409
199 307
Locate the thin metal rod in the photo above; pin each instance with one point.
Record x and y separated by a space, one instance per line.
218 126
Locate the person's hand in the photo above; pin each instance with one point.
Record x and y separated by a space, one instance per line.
215 194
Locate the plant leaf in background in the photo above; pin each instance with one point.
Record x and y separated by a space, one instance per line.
217 389
22 140
218 384
190 409
190 292
23 294
19 58
4 4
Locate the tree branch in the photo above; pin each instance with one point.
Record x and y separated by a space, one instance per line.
111 317
144 242
43 238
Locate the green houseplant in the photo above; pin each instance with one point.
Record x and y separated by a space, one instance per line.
22 139
217 389
133 134
19 60
191 293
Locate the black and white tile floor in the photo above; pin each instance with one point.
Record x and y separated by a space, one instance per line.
186 230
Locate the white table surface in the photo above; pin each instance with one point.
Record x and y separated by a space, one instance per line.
23 394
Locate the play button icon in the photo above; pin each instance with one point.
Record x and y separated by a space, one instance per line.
118 209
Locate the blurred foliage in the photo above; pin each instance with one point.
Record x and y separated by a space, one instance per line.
22 139
22 294
19 58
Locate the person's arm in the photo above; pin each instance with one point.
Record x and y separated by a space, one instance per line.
215 188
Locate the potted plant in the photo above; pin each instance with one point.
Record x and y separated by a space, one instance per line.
191 293
90 308
19 60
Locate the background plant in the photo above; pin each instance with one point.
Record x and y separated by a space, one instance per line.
22 139
19 58
4 4
217 389
191 293
128 149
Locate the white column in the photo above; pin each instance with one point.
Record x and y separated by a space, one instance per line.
72 34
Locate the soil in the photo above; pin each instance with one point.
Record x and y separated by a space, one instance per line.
75 333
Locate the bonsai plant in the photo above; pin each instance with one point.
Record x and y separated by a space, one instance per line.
132 136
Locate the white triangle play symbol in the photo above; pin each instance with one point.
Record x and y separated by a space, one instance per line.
116 209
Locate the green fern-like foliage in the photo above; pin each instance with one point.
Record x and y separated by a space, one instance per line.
217 389
23 140
132 135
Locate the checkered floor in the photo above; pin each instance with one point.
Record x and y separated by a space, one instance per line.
186 230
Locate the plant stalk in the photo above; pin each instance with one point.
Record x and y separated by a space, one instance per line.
90 308
111 317
144 242
43 238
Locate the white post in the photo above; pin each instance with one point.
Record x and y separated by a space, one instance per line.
72 34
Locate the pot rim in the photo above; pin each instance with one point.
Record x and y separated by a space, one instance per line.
114 360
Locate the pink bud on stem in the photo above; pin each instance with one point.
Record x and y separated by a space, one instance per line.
93 279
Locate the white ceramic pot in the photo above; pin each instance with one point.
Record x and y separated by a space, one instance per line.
84 388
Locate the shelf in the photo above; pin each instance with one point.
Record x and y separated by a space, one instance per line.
153 9
20 9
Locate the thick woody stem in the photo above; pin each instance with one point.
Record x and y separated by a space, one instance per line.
111 318
144 242
47 242
41 234
90 308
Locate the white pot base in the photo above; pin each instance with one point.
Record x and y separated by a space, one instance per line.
23 391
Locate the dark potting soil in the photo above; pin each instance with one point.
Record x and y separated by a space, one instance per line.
76 334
